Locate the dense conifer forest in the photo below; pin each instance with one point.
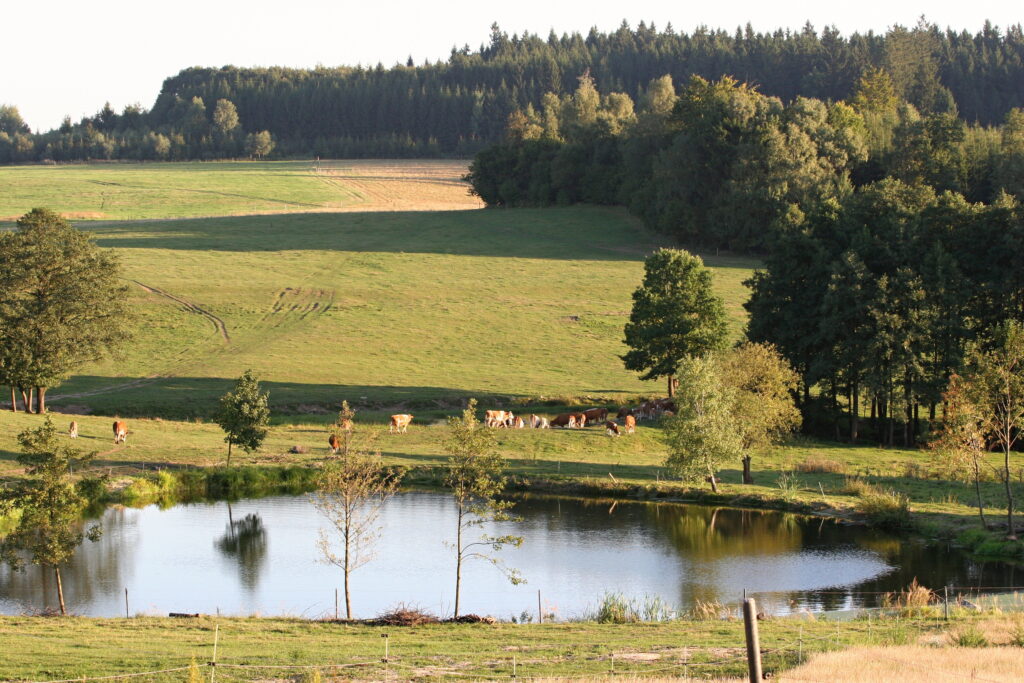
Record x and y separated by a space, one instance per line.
459 105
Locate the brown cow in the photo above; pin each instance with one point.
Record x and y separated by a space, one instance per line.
399 423
630 424
581 420
73 430
596 415
611 428
120 432
334 442
565 420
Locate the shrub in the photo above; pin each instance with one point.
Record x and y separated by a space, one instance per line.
914 600
789 484
885 509
406 615
969 636
615 608
819 464
707 611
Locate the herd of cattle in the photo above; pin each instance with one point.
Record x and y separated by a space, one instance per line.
649 410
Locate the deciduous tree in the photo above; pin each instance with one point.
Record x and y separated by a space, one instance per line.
244 414
50 527
675 315
475 481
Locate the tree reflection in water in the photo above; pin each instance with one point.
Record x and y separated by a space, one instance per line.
245 541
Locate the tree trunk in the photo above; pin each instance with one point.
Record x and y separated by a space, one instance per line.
854 412
24 400
348 570
41 400
917 422
747 479
671 386
458 561
714 483
14 400
1011 533
31 405
229 453
60 592
977 490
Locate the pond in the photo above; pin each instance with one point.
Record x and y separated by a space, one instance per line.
259 556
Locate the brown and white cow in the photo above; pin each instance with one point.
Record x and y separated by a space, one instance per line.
596 415
538 422
498 418
518 423
73 430
580 420
120 432
630 423
565 420
334 442
399 423
611 428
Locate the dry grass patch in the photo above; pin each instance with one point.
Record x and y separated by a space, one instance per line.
819 464
402 185
911 664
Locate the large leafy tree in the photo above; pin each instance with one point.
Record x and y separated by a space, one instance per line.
244 414
62 303
763 408
50 527
675 315
702 435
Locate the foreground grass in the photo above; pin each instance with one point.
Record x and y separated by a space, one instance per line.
47 649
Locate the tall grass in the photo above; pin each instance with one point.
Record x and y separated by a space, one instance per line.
616 608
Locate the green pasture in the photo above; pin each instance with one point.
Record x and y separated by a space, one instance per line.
168 190
392 309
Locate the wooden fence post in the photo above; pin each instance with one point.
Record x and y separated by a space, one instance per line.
753 642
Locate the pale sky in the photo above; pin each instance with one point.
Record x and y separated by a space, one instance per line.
69 57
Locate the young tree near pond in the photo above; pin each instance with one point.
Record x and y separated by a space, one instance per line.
62 304
50 527
351 492
702 435
244 414
763 410
996 380
474 478
675 316
960 444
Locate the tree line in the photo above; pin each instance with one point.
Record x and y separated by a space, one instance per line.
459 105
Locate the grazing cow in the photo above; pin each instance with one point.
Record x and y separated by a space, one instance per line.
120 432
630 424
498 418
611 428
334 442
518 423
399 423
564 420
596 415
538 422
581 420
73 430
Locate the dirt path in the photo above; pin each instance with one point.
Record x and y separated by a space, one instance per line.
217 322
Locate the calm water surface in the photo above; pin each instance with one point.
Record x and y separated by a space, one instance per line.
260 556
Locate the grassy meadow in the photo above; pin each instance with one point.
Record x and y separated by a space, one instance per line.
130 191
379 308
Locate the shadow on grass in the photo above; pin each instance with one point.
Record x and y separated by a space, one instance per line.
591 233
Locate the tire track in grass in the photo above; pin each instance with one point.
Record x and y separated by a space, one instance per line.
217 322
